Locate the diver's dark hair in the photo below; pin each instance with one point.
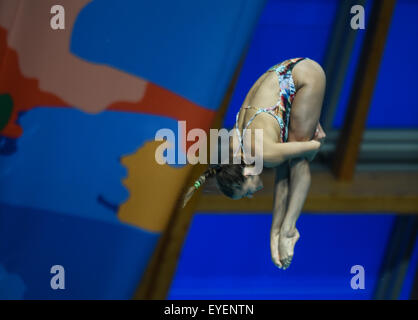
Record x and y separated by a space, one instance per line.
229 177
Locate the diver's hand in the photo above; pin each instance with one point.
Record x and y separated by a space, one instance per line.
319 136
311 154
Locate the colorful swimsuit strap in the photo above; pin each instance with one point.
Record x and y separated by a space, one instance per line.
285 66
267 110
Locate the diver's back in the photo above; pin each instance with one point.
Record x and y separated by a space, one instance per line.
263 94
265 91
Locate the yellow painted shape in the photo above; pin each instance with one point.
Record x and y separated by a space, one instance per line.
154 189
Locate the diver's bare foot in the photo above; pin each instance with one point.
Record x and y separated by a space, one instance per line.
287 241
274 247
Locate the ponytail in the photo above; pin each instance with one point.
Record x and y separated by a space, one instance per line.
211 172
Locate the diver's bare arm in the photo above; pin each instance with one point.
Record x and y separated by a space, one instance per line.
278 153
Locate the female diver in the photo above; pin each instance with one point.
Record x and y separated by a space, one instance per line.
286 103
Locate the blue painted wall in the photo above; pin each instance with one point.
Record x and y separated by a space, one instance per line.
227 256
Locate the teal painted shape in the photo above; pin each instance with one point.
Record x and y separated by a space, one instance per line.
101 259
68 161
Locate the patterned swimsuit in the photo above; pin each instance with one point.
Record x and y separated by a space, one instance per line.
281 110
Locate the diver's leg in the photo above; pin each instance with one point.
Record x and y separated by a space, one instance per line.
304 117
300 179
281 187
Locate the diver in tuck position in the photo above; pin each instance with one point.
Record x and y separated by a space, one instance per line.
286 103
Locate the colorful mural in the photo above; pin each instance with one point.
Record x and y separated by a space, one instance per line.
79 109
